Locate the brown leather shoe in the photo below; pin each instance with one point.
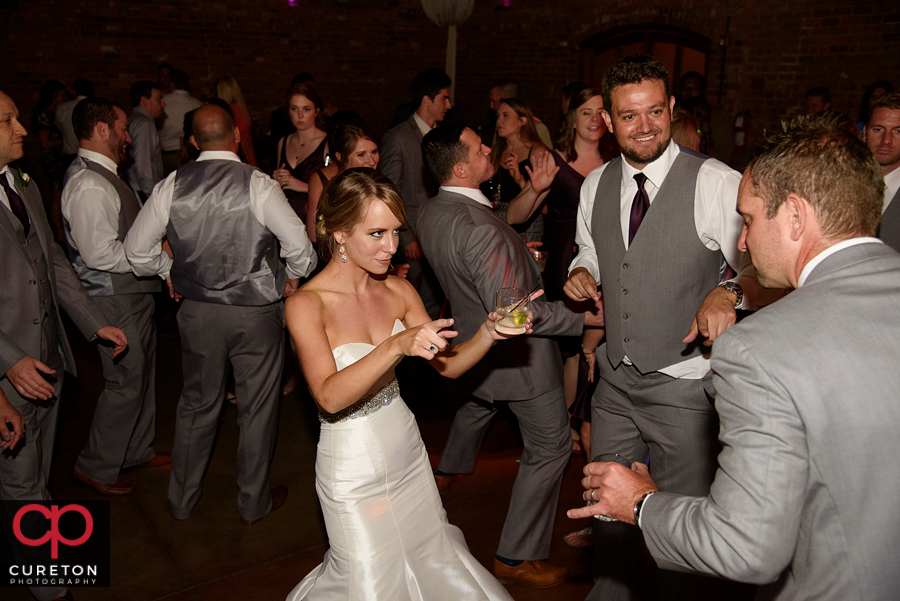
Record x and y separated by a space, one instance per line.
444 482
279 495
539 574
116 489
162 458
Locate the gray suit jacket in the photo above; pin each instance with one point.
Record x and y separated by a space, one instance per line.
808 395
474 254
401 160
20 330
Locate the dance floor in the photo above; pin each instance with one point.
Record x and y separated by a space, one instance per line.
211 556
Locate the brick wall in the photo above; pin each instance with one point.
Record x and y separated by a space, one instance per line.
365 52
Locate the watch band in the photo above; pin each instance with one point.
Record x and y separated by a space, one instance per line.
736 289
638 507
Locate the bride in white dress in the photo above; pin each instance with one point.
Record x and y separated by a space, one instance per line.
352 324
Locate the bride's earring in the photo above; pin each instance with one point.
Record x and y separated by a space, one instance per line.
343 256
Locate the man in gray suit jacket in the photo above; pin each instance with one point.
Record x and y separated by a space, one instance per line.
882 136
35 279
474 254
803 500
401 161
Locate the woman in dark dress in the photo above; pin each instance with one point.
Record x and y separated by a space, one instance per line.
303 152
517 142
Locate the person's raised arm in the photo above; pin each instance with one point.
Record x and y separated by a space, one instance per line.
530 199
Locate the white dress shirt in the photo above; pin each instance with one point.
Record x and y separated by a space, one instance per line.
267 204
146 169
178 104
423 127
716 219
891 185
91 205
473 193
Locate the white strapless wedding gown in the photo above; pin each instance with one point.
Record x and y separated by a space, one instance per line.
388 531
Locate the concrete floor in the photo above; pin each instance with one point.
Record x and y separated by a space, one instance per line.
211 556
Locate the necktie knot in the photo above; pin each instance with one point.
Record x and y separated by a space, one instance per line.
641 179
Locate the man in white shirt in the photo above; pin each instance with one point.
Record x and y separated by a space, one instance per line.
98 208
145 168
179 102
806 390
225 221
653 227
882 136
401 161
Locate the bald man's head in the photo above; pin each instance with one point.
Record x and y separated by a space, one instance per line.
214 129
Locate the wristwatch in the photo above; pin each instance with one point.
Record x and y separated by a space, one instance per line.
736 288
637 508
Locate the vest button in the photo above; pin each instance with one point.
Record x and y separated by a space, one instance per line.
626 340
32 282
36 321
625 316
624 265
625 292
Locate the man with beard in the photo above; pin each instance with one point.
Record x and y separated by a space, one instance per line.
98 208
882 136
662 292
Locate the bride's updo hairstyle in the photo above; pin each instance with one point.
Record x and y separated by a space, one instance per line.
345 200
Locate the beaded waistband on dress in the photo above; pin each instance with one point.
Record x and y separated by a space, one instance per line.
365 406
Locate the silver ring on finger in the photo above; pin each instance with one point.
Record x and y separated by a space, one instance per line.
592 493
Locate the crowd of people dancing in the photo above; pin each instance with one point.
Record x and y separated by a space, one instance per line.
717 344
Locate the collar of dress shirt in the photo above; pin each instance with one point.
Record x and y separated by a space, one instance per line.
423 127
807 269
101 159
218 155
656 171
473 193
143 113
891 185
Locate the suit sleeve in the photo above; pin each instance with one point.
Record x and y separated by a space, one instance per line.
73 298
748 526
142 149
391 164
493 263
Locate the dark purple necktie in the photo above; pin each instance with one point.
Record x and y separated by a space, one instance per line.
15 203
639 207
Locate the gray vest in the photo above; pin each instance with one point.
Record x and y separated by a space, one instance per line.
105 283
223 254
651 292
890 223
50 352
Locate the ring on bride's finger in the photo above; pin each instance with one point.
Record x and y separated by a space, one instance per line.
431 349
592 493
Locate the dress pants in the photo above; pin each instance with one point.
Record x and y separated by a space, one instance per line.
25 470
634 414
252 340
124 423
547 446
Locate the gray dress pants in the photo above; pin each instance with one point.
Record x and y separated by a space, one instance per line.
251 339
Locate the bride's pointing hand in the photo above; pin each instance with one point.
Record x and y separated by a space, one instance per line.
427 340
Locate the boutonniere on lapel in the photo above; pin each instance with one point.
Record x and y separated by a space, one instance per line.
26 179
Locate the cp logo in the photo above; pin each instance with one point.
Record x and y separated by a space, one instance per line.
53 514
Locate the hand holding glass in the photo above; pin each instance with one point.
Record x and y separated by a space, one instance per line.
512 310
